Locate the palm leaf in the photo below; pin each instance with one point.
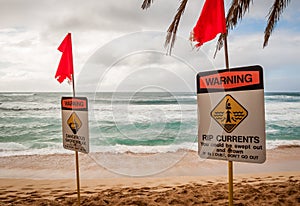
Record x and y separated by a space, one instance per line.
236 12
172 30
273 17
146 4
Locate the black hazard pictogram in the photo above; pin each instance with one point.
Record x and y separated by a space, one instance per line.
74 123
229 113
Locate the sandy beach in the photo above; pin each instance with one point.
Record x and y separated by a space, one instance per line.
50 180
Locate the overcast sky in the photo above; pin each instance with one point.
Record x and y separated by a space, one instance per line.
115 48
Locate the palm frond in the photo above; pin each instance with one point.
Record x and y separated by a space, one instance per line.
220 44
172 30
146 4
236 12
273 17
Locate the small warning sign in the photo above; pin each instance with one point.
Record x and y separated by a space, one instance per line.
75 123
229 113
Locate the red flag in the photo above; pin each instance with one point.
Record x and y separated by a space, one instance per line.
210 23
65 67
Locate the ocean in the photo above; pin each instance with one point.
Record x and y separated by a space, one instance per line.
30 123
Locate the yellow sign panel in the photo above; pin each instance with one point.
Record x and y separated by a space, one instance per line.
74 123
229 113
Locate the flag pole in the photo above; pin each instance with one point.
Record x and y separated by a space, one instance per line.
77 177
76 152
202 33
65 70
226 51
230 163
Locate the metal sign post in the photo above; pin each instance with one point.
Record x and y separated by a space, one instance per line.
231 117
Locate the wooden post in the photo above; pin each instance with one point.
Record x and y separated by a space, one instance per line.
230 183
77 177
230 163
76 153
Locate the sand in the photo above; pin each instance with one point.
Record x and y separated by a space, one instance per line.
49 180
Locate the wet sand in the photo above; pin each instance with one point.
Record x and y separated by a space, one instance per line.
184 180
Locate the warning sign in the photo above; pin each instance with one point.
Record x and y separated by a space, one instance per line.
231 114
75 124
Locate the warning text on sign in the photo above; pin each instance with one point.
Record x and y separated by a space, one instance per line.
231 147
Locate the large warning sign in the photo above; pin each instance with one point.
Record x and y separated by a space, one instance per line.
231 114
75 123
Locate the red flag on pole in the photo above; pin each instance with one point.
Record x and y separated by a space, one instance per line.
210 23
65 67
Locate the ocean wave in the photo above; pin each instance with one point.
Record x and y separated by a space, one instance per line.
145 101
44 151
282 97
7 107
116 149
15 149
169 125
175 101
272 131
27 109
141 142
275 144
17 94
12 147
295 94
144 98
139 149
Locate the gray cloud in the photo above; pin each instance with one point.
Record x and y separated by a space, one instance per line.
31 30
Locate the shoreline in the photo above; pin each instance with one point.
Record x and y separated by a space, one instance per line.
140 150
110 165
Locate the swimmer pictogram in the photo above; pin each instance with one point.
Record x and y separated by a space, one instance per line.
74 123
229 113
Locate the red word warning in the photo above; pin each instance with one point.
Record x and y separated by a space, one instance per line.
228 80
247 78
74 103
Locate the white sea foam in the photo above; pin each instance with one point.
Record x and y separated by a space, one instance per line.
44 151
119 149
11 146
17 149
273 144
17 94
